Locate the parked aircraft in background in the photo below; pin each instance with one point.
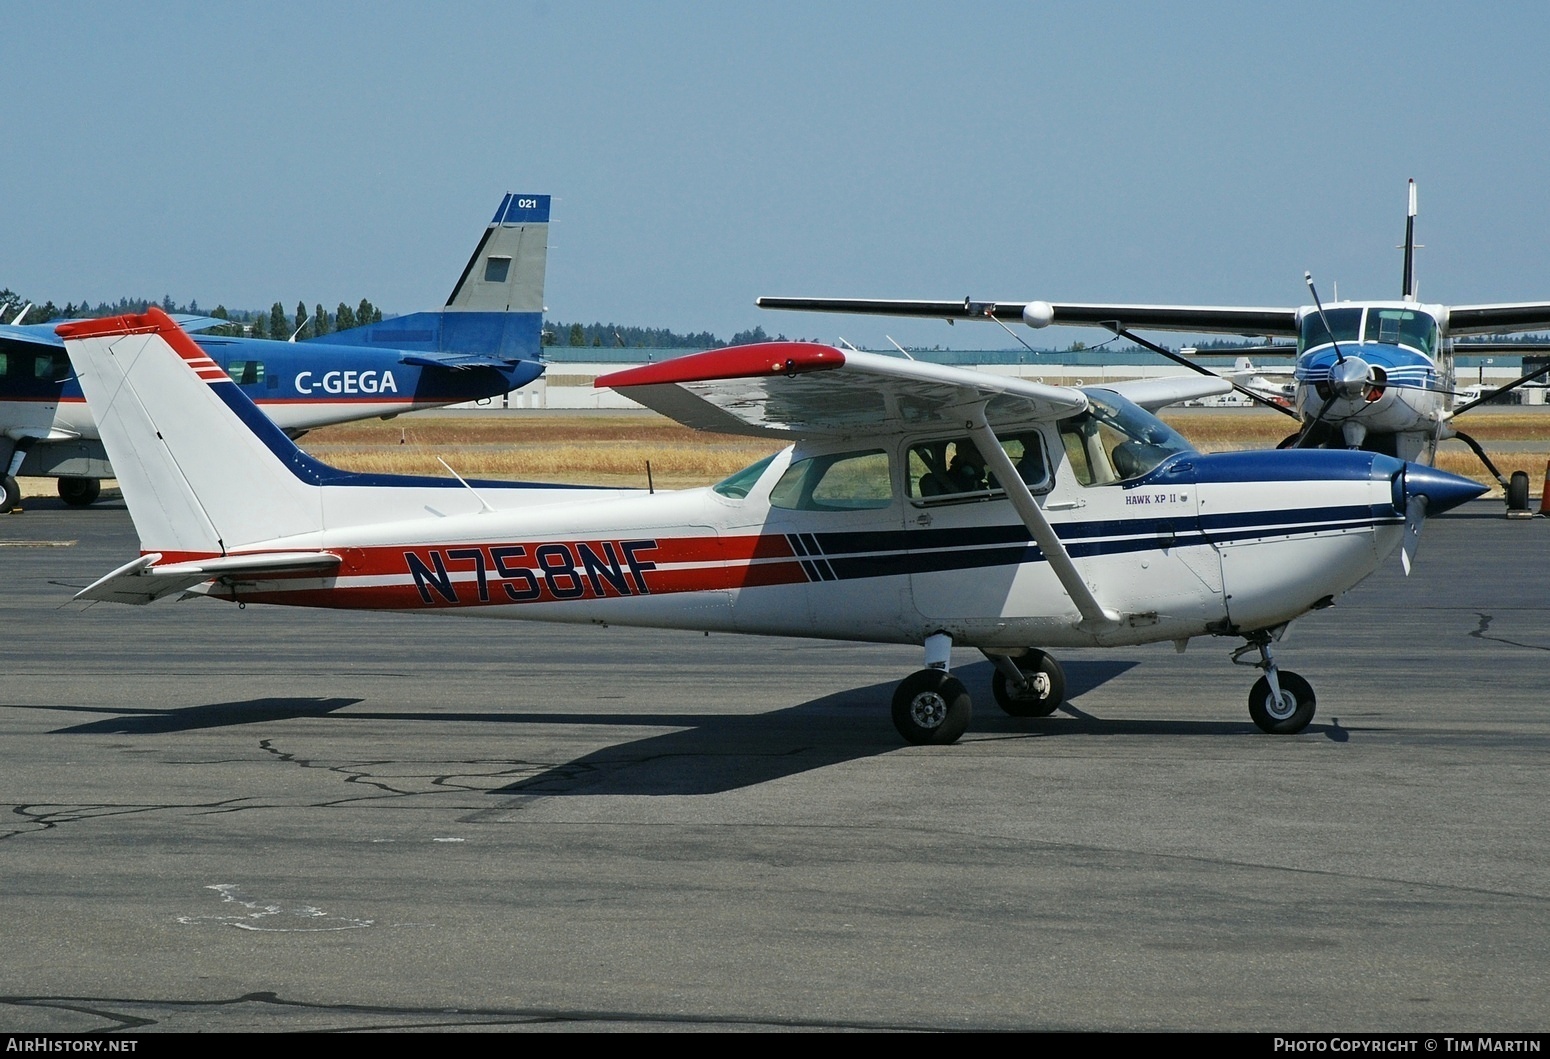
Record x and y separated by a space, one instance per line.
1370 375
919 504
483 343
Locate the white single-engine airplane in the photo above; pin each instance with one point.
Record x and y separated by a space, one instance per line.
919 504
1372 375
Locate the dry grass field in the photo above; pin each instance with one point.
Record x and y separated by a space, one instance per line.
613 449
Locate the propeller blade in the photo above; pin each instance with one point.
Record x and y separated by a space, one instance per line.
1415 516
1315 421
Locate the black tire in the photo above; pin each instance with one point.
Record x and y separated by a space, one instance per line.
931 708
1296 708
1517 491
1037 701
10 493
79 492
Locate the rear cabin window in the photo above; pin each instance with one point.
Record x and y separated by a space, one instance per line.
738 485
50 366
847 481
953 469
246 372
25 362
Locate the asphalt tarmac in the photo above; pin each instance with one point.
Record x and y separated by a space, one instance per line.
264 819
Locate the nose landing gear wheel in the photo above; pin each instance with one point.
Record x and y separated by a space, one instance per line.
1046 687
931 707
1288 716
10 493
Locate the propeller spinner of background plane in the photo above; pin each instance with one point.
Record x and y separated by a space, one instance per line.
1374 375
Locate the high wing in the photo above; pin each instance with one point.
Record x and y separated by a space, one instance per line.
1203 319
1497 319
802 389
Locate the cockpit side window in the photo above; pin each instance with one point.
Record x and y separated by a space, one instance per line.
953 469
846 481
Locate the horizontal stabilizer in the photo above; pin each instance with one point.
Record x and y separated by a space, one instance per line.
141 581
457 361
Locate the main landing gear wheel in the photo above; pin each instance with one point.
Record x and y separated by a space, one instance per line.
78 492
1288 716
1046 687
1517 491
10 493
931 707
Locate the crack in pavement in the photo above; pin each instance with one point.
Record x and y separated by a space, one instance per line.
45 816
1485 624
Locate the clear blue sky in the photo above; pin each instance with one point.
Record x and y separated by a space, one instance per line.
703 154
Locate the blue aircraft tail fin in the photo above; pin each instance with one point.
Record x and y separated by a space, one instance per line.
497 306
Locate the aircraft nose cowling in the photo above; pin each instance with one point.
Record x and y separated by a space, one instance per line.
1350 377
1443 491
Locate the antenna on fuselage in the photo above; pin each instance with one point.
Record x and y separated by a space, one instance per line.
1409 292
484 507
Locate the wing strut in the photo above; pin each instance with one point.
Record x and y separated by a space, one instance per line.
1094 614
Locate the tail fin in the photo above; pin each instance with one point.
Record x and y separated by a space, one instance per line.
202 470
497 306
1409 283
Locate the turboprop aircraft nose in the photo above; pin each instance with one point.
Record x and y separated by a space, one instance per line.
1443 491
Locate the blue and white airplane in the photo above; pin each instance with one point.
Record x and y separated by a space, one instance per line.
914 504
1371 375
483 343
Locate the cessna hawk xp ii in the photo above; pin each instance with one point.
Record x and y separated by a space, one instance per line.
919 504
1375 375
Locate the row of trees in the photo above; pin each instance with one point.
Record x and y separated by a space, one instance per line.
620 336
275 323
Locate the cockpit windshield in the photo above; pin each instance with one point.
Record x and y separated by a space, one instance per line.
1393 326
1345 323
1402 327
1115 440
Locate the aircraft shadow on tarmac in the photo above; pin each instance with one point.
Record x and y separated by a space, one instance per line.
193 718
704 754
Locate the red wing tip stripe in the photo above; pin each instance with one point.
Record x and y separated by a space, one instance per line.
760 360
